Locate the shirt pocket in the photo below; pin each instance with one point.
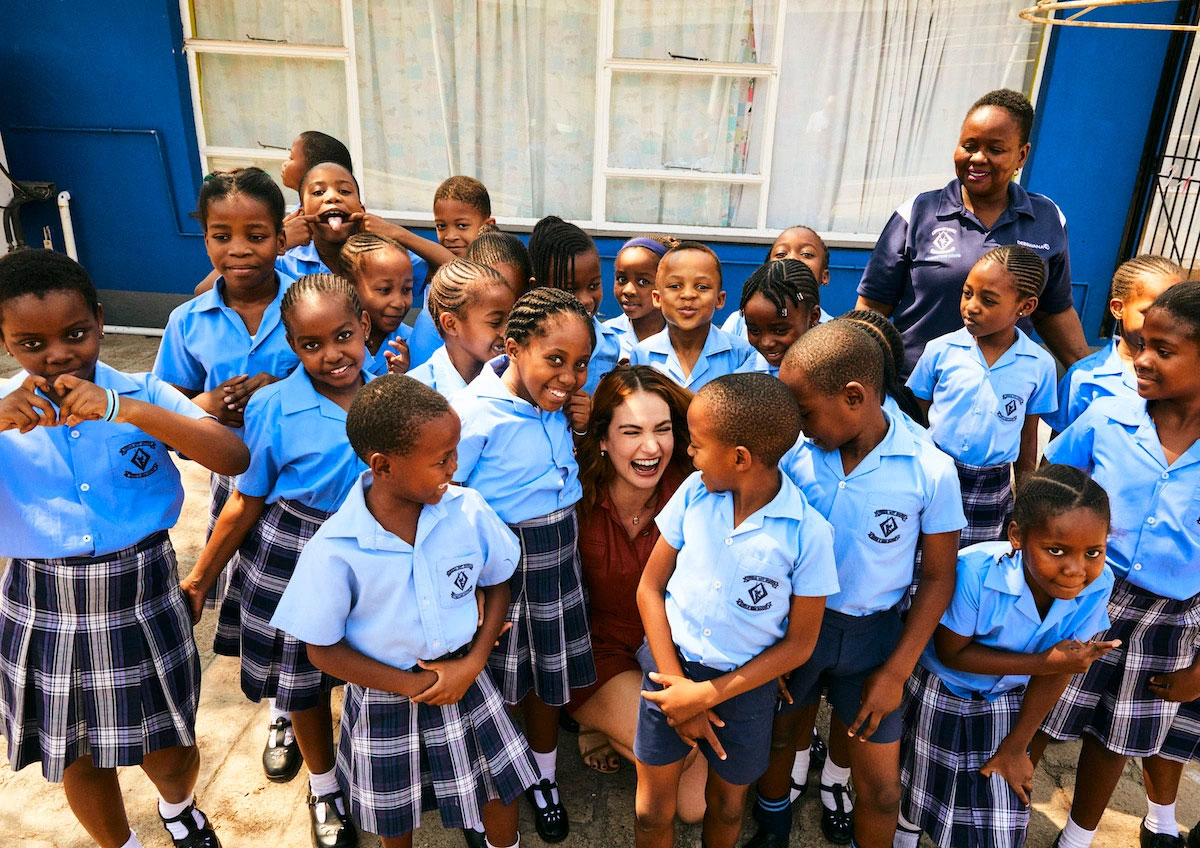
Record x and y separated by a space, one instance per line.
457 576
759 589
1191 515
137 461
890 521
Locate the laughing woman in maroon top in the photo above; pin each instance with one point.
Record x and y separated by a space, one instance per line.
630 463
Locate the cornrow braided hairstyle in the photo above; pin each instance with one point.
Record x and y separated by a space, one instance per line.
457 284
492 247
1014 103
356 248
251 182
702 248
466 190
553 246
537 306
1129 278
1182 302
1022 264
892 344
787 283
317 285
1055 489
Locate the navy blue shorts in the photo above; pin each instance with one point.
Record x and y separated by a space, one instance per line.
746 735
848 650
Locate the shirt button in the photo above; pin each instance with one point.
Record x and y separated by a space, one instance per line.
437 644
87 538
717 584
1150 520
978 410
707 632
1137 566
1165 475
729 541
74 434
841 484
83 487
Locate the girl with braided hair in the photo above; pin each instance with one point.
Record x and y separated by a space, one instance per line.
985 386
382 274
780 301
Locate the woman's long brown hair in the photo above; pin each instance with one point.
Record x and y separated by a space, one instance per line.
596 471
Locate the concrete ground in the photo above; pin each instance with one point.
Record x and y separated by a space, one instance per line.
249 810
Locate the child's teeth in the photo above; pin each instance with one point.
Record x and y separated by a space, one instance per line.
335 223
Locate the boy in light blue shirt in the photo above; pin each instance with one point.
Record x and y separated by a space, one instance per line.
731 598
887 494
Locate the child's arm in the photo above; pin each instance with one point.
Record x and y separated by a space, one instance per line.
200 439
1069 656
430 251
347 664
652 605
1027 457
235 522
924 404
454 677
1011 760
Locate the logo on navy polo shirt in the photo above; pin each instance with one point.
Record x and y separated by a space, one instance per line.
1043 246
943 243
887 525
757 592
1010 407
460 579
138 454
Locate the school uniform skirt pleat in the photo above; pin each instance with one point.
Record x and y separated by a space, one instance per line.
225 593
275 664
549 648
1111 700
96 658
987 497
947 739
1183 739
397 759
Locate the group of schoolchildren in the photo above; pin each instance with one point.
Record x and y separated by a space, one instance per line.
393 508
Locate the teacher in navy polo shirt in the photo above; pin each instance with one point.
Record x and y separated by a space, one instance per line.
923 256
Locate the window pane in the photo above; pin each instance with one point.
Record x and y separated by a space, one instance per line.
292 21
638 201
271 166
716 30
503 92
872 96
252 99
698 123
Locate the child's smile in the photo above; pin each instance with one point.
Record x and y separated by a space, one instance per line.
52 335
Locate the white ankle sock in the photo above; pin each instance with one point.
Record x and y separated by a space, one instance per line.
547 764
908 835
276 714
1074 836
833 774
275 711
1160 818
132 841
326 784
514 845
799 772
169 811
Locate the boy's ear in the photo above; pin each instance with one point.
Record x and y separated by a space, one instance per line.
380 464
721 299
490 221
656 298
743 459
854 393
1027 306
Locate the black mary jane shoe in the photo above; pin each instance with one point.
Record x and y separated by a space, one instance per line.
838 825
281 759
1147 839
551 820
1193 837
474 838
331 829
198 836
817 752
765 839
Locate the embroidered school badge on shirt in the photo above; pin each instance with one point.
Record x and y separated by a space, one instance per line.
943 244
460 578
757 593
889 527
1010 405
139 455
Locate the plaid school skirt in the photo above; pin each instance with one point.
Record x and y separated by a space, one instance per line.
987 497
96 658
947 740
549 648
1183 739
275 664
1110 700
397 759
225 593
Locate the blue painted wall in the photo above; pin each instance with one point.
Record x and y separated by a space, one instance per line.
99 103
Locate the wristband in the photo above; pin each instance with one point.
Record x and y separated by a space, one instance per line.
114 405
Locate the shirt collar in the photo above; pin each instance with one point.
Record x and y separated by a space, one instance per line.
1111 362
489 385
950 204
355 521
307 253
299 394
1023 346
898 441
788 503
107 377
1006 573
602 329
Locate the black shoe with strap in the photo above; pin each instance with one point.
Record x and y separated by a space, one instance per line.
1149 839
281 759
550 819
1193 837
198 835
838 824
474 838
766 839
817 752
330 828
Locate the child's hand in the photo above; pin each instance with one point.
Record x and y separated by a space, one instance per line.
368 222
194 594
579 411
296 230
81 400
882 693
783 694
454 677
213 402
239 389
1015 767
680 699
1181 686
397 361
701 727
1070 656
23 409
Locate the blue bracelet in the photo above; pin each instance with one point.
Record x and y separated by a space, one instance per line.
114 404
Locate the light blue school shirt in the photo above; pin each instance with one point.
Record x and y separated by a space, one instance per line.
91 489
1155 538
376 364
298 445
993 605
735 323
206 342
731 592
605 355
978 412
439 374
722 354
518 456
1103 374
395 602
626 337
904 487
303 259
425 340
893 409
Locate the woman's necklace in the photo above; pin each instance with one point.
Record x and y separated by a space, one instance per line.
648 505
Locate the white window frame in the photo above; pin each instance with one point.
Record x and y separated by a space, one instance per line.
601 172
